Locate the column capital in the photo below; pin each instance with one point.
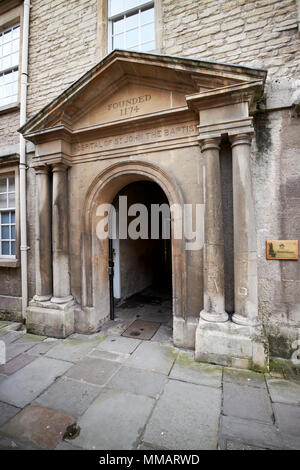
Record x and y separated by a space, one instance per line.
59 167
210 143
41 169
241 139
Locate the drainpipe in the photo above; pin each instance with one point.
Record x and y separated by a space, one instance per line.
22 165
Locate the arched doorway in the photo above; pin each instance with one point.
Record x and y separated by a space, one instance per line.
140 263
94 252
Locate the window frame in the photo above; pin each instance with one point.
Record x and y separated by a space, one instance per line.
12 260
105 34
12 68
8 19
9 210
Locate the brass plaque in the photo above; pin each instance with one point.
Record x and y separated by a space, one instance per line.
282 249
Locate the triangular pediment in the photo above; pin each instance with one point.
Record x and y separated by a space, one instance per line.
126 85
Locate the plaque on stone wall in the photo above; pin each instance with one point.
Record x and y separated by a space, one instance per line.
282 249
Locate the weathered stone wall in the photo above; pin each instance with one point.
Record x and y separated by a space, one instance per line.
9 123
62 46
257 33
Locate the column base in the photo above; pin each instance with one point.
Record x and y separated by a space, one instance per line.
184 330
214 317
61 300
232 345
49 319
42 298
244 321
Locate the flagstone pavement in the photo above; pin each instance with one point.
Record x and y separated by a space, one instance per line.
105 391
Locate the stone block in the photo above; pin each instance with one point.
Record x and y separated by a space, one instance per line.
119 344
50 322
43 427
138 381
184 332
114 421
283 391
287 418
26 384
68 396
7 412
247 402
93 371
153 356
174 425
186 369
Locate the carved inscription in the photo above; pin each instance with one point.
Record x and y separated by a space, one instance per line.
136 138
129 107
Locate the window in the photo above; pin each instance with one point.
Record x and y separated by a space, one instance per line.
7 217
131 25
9 64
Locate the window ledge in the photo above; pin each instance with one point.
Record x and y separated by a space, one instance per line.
10 107
9 263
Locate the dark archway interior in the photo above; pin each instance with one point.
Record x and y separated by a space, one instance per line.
143 267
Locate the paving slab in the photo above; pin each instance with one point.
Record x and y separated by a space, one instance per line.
63 445
15 364
10 336
8 443
188 370
72 350
287 418
236 445
15 349
290 442
26 384
7 412
247 402
153 356
3 324
114 421
244 377
185 417
283 391
108 355
248 432
164 333
138 381
94 371
68 396
45 428
119 344
30 338
41 348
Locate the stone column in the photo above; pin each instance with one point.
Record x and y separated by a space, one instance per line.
60 236
43 258
245 261
214 302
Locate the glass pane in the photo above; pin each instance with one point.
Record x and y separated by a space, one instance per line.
11 182
6 63
5 232
3 184
132 22
132 38
13 248
147 33
16 32
7 36
118 42
5 248
15 59
147 16
133 3
3 201
118 26
12 217
11 200
4 218
147 47
6 48
116 6
13 232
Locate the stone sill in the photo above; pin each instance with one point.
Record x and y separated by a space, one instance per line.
10 107
9 263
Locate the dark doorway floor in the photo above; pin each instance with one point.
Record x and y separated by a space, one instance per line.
153 305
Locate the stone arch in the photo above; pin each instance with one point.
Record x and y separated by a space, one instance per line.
94 252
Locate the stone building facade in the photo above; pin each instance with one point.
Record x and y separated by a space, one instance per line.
220 128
